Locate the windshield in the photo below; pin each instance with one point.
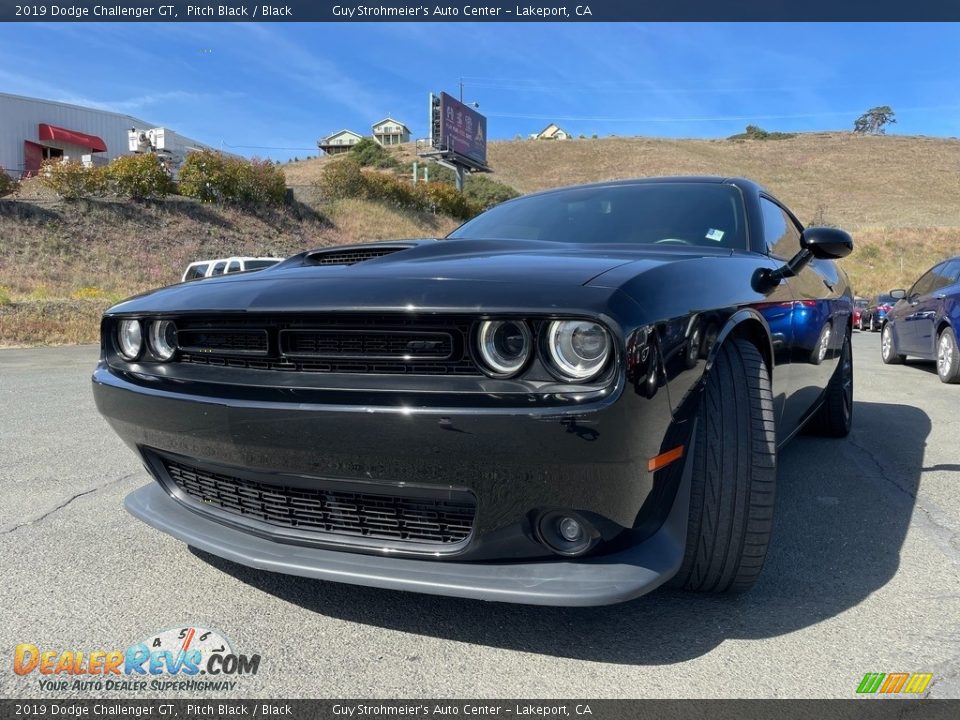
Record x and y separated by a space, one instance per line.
693 213
886 300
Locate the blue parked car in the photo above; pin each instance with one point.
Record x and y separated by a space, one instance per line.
924 321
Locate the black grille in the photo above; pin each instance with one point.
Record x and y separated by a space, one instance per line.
349 256
366 344
224 341
335 512
351 344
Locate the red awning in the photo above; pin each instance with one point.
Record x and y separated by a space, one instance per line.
52 132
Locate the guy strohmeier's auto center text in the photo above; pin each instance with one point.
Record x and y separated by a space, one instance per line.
461 11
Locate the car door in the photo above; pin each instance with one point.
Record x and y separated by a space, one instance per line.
817 327
929 309
920 313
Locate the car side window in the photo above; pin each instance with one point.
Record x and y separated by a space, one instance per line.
944 274
234 266
780 233
218 268
952 272
197 271
926 282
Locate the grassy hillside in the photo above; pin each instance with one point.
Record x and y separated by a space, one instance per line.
898 195
60 263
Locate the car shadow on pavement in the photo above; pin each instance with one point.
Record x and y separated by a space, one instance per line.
843 510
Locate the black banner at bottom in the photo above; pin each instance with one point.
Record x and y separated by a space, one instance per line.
866 708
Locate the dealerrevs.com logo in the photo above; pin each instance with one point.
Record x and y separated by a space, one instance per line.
189 658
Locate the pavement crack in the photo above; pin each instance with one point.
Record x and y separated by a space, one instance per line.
34 520
938 521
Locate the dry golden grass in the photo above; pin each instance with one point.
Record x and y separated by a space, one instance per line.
51 322
887 258
61 263
841 178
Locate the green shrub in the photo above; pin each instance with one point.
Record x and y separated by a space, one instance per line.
444 199
754 132
390 189
8 185
342 179
484 192
72 181
4 296
370 153
212 177
139 177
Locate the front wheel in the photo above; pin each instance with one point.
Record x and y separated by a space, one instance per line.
948 357
734 475
888 347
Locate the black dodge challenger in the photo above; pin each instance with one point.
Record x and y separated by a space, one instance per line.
573 398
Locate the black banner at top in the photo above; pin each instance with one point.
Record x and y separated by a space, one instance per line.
345 11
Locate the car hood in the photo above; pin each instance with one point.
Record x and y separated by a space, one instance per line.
415 273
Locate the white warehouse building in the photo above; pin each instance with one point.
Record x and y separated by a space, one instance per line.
33 130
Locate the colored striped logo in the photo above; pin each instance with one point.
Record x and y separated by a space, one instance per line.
891 683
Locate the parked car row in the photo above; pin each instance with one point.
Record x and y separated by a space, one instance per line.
922 322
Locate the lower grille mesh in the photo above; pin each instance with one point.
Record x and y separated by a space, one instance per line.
336 512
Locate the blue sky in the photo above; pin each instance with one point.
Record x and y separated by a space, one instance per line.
262 88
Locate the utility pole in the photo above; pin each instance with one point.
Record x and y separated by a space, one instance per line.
460 173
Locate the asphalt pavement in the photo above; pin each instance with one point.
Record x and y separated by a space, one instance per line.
863 574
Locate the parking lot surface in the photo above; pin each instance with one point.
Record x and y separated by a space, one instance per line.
863 574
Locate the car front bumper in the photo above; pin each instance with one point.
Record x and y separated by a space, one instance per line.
601 580
516 462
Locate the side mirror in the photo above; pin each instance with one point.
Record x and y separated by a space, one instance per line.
898 294
826 243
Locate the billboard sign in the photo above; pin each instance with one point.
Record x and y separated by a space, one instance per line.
461 130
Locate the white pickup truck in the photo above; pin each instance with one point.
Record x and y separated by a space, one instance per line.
222 266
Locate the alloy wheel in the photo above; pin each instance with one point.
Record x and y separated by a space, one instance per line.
824 344
944 354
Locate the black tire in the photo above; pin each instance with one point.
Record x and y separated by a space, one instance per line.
734 475
948 356
835 416
888 347
873 324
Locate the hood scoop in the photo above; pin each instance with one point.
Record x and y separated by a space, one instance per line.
351 255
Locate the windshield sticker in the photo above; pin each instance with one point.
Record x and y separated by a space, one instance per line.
713 234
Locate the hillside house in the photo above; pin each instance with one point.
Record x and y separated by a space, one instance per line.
552 132
390 132
339 142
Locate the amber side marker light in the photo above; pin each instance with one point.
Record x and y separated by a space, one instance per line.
664 459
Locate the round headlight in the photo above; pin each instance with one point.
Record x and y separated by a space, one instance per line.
129 339
163 339
504 346
578 348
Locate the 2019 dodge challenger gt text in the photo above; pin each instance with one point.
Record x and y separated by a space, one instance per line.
573 398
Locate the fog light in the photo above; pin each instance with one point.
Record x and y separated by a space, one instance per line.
570 529
566 533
